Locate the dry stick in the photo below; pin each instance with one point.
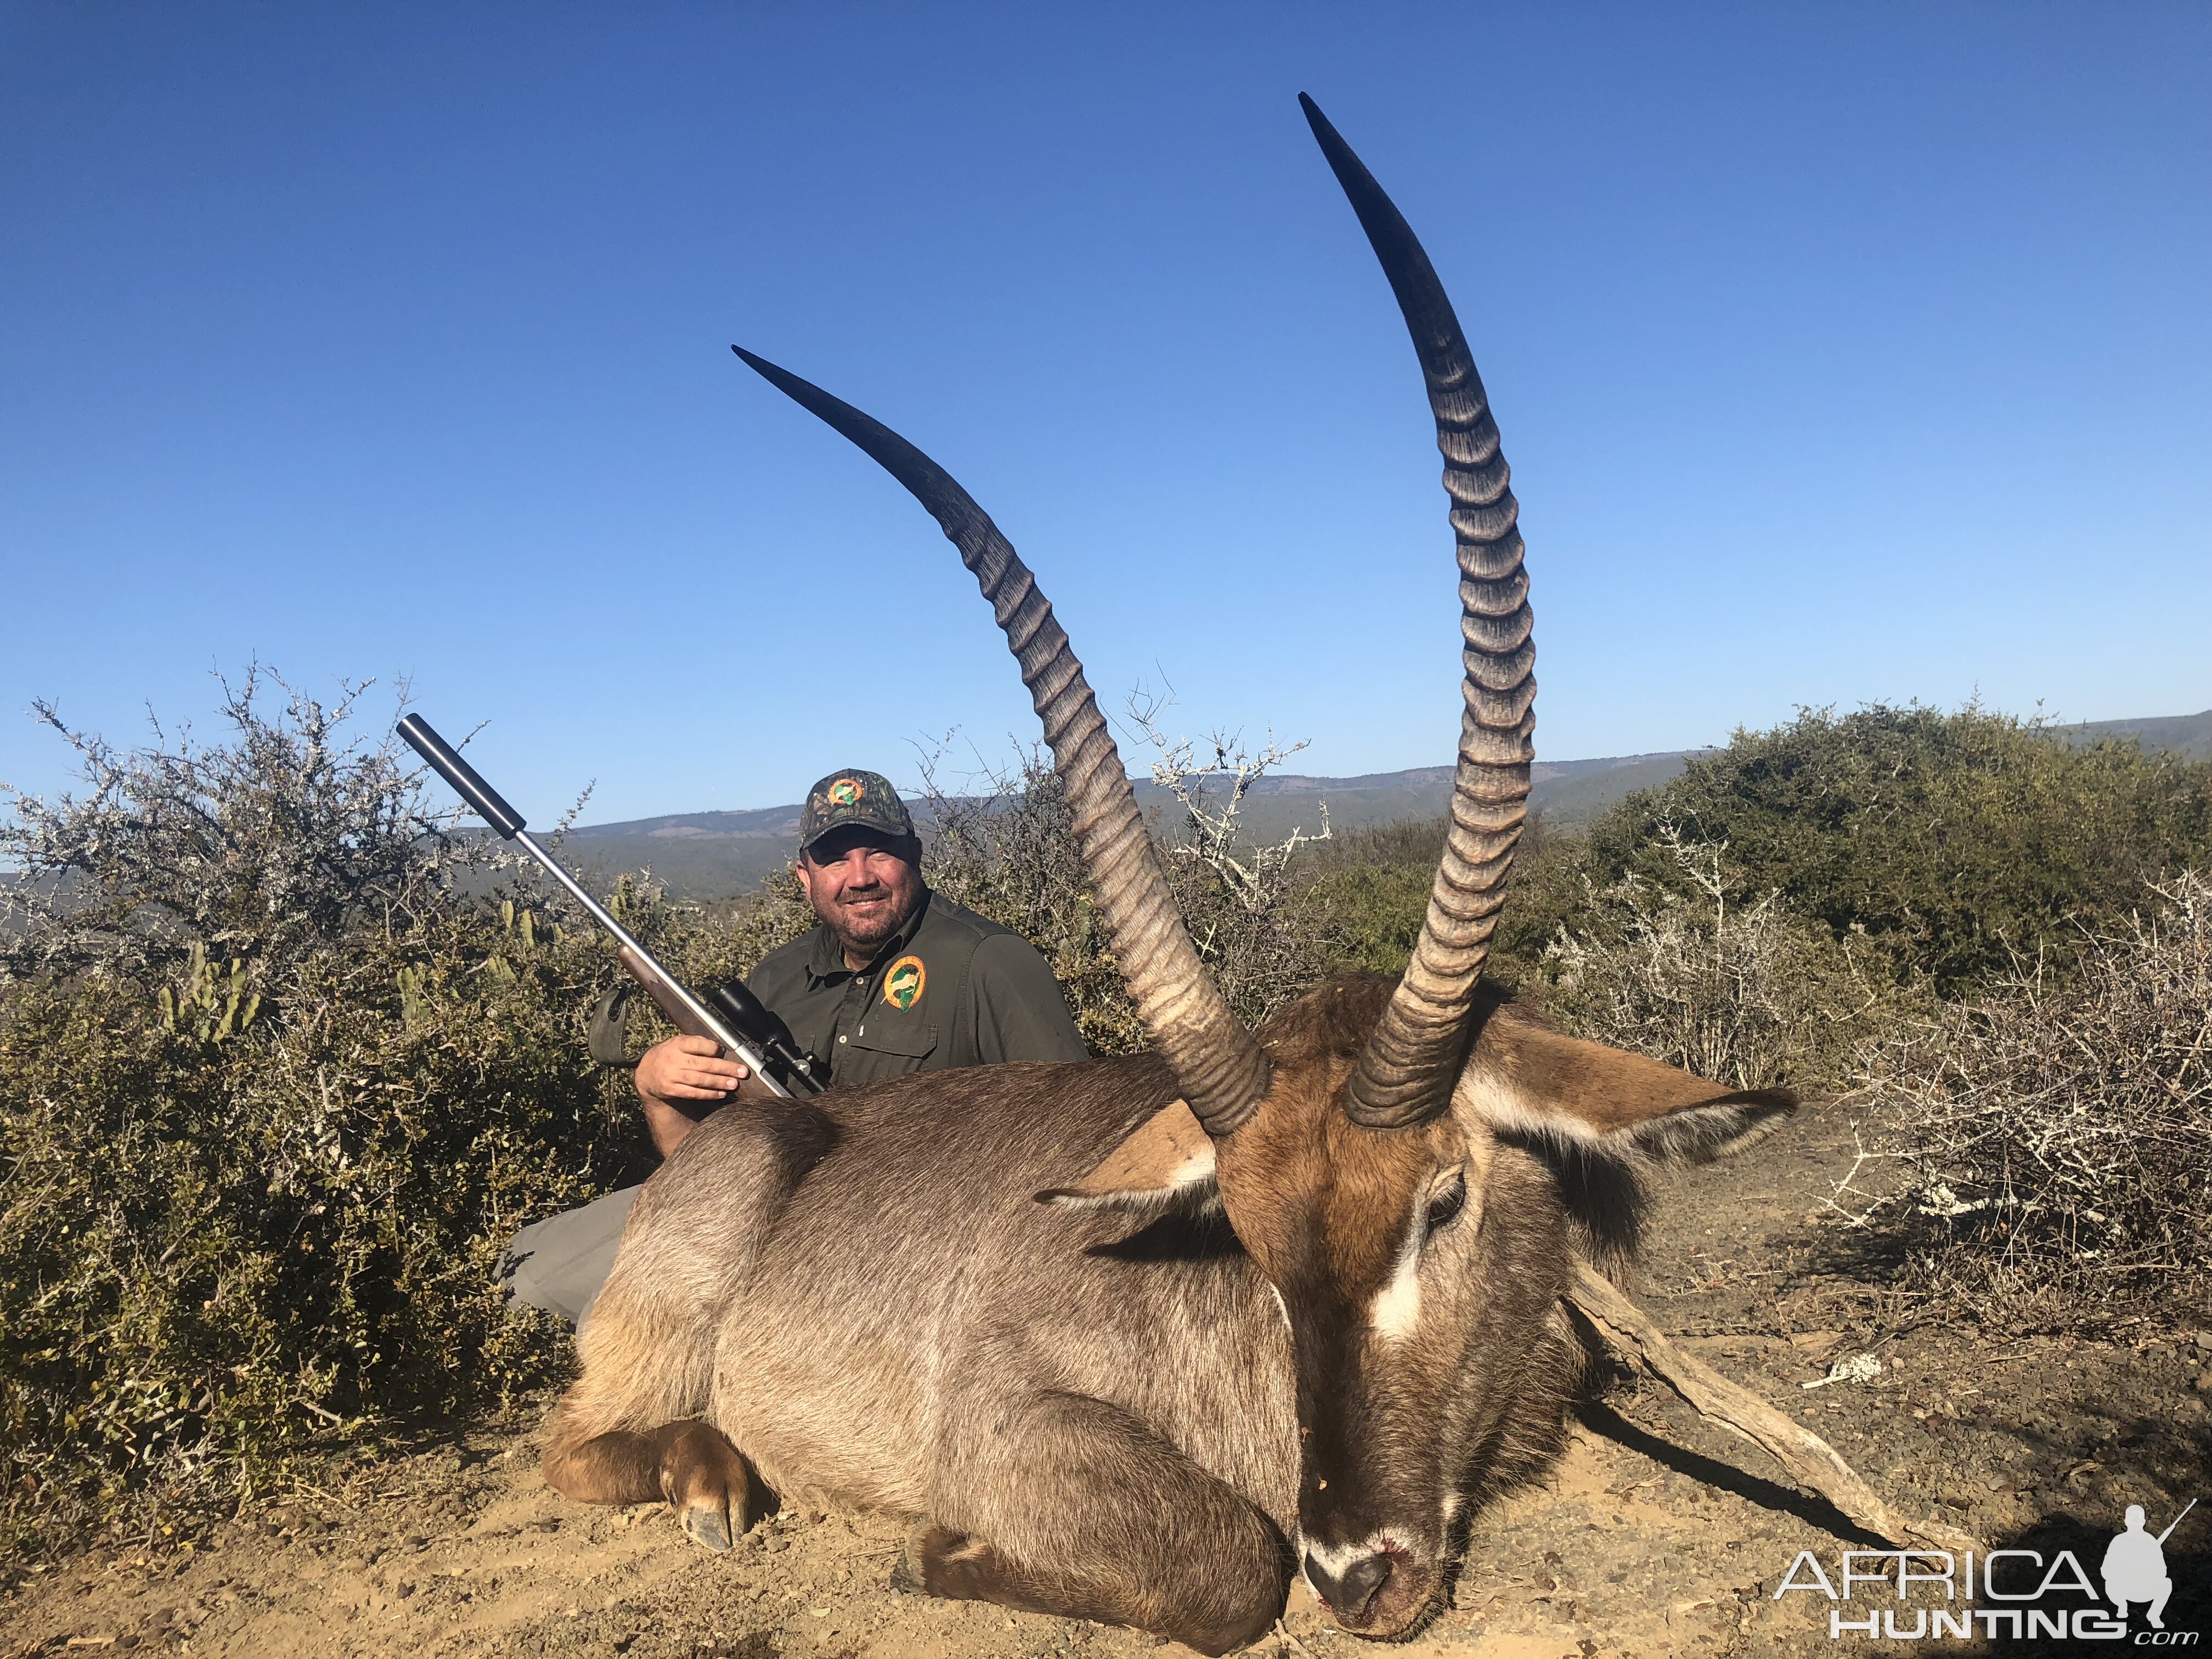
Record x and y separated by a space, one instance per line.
1811 1460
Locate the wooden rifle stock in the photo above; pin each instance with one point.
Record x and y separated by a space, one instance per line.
656 986
798 1072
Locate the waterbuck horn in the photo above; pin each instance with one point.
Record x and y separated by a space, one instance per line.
1221 1068
1406 1072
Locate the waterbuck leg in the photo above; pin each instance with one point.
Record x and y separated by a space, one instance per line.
630 1429
1070 1506
714 1491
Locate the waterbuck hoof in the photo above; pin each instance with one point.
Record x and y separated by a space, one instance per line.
711 1486
708 1527
909 1573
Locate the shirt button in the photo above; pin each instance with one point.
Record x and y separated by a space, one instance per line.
840 1038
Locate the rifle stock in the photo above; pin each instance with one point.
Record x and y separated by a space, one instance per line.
656 986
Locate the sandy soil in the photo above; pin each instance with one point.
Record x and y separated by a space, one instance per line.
1657 1534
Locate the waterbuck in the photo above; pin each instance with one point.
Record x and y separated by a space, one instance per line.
1133 1339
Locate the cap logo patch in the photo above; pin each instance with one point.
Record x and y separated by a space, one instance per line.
904 985
846 792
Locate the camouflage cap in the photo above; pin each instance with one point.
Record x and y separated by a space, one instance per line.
853 797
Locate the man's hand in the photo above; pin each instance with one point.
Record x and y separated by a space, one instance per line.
688 1068
679 1081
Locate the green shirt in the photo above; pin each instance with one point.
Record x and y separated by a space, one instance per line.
950 988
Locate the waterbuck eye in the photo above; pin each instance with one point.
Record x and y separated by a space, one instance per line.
1448 1203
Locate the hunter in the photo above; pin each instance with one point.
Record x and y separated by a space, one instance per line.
893 979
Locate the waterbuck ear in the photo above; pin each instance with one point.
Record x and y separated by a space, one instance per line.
1523 1079
1165 1164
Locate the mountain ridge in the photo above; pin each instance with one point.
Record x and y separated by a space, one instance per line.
718 854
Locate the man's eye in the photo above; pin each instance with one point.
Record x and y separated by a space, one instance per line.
1448 1204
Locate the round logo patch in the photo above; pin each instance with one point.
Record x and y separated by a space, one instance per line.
846 792
904 985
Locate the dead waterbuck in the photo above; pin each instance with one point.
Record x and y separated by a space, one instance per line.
1290 1298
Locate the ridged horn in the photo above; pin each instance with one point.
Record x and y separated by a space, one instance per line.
1222 1070
1406 1073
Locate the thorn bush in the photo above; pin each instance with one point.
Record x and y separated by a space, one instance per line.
2055 1137
283 1060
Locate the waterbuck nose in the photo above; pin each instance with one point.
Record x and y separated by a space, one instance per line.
1349 1595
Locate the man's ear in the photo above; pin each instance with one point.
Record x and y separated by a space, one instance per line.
1166 1164
1523 1079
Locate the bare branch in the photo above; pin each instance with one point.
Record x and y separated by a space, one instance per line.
1811 1461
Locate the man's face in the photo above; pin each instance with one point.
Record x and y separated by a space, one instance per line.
863 884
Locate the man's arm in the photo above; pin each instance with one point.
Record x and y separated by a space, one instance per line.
1020 1011
683 1079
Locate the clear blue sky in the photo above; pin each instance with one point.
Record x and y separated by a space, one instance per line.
1846 352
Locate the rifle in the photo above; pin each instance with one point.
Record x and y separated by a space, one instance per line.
732 1015
2168 1532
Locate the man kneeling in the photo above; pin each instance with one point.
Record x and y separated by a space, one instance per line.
893 979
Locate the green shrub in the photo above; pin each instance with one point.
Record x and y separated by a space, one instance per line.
273 1091
1366 893
1945 843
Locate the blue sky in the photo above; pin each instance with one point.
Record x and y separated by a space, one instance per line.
1842 353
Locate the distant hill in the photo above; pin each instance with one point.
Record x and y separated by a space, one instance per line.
704 855
2187 735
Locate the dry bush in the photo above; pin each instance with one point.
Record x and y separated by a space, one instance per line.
2055 1141
285 836
273 1091
1002 844
1731 986
1239 896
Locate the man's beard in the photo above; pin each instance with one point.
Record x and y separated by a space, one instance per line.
865 932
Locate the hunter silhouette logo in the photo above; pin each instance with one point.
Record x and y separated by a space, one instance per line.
904 985
846 792
2134 1565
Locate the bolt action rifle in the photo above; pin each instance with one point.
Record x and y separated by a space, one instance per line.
730 1014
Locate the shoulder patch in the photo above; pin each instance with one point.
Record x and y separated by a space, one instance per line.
904 984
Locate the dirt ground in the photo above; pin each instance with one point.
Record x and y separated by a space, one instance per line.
1658 1533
